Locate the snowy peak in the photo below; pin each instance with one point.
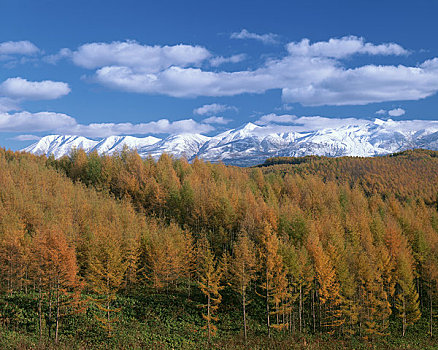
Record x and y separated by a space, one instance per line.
183 145
114 144
60 145
251 144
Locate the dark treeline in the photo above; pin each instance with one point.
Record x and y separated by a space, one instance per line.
345 246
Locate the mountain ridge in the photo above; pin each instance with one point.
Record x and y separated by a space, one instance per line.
252 144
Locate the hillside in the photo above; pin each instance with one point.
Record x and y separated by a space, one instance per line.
123 252
385 175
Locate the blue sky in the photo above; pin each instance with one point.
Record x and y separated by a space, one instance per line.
97 68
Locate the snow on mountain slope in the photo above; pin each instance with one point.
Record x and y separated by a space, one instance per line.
251 144
60 145
112 144
184 145
247 145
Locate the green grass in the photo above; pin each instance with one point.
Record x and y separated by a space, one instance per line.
160 321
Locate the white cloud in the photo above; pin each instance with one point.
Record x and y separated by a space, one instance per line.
162 126
264 38
274 118
311 74
343 47
26 138
363 85
63 53
218 60
185 82
35 122
216 120
213 108
63 124
19 88
381 111
144 58
397 112
309 81
7 104
18 48
270 123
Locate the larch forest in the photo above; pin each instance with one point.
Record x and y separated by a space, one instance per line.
297 253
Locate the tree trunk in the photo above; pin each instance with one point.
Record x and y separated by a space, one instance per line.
108 306
49 322
431 314
9 276
300 309
57 314
404 317
267 306
244 314
208 319
108 316
40 316
313 311
284 317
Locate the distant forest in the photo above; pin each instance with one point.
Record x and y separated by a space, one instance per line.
124 252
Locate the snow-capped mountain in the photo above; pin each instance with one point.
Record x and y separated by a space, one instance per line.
184 145
60 145
252 144
113 144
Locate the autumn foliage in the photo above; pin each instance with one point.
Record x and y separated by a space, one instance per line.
345 246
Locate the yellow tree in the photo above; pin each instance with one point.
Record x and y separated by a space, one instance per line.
274 281
165 255
209 277
106 269
300 274
242 270
12 237
58 270
329 290
406 301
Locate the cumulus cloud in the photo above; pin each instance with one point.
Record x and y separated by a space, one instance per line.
216 120
162 126
35 122
185 82
310 74
274 118
304 123
18 48
63 53
381 111
19 88
343 47
8 104
309 81
218 60
63 124
264 38
26 138
213 108
363 85
148 59
397 112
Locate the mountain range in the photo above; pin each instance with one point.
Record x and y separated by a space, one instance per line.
251 144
